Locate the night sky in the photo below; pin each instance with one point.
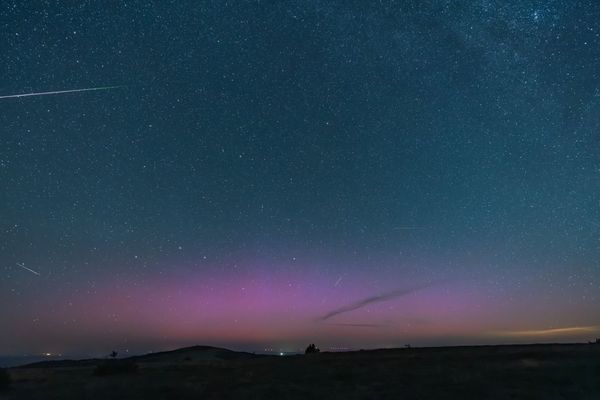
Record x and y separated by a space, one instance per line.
268 174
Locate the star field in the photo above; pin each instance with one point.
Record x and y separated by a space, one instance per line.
262 164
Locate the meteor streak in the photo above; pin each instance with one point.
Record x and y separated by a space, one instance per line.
22 265
12 96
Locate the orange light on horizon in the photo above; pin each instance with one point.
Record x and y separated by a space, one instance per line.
572 330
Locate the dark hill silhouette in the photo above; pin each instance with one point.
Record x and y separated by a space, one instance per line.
195 353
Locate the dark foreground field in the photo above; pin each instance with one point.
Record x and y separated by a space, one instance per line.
498 372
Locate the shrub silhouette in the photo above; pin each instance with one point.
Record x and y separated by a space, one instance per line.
113 354
116 367
4 379
312 349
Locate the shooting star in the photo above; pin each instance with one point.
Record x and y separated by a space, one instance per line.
22 265
13 96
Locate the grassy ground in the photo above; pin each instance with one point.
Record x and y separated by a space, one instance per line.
499 372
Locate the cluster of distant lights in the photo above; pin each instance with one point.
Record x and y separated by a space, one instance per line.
272 350
283 353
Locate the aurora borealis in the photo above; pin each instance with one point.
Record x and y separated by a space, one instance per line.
264 164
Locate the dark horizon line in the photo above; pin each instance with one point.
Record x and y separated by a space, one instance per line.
67 356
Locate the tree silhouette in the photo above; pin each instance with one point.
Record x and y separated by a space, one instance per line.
113 354
312 349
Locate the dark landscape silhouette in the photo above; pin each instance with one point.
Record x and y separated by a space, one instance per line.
544 371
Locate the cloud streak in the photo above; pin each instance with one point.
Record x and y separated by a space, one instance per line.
371 300
552 332
358 325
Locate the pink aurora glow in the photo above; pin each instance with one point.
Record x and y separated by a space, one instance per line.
250 309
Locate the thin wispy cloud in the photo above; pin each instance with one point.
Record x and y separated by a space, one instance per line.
350 325
371 300
571 330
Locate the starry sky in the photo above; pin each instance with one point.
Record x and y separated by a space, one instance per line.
268 174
